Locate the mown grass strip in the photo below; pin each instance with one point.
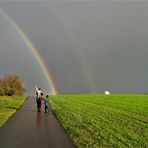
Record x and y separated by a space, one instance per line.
8 105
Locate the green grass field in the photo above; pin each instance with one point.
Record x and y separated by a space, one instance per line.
8 105
104 120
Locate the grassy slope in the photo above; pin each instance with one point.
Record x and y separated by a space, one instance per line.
104 121
8 106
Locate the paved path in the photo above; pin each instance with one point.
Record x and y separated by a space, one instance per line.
30 129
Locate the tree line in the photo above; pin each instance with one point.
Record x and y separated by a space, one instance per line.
11 85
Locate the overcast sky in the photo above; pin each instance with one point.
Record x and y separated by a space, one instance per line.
89 47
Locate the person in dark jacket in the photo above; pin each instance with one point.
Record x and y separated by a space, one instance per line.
46 104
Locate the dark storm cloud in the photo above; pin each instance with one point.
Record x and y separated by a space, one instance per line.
108 38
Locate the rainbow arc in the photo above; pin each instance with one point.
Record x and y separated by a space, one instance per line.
34 51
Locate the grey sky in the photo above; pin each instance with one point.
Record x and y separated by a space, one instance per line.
89 47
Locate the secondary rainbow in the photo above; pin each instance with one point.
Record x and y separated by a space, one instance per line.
76 46
35 52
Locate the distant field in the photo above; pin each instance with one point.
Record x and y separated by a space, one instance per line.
104 120
8 106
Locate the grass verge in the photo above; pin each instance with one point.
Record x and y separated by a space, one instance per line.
8 105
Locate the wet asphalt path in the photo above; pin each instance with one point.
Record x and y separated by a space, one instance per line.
30 129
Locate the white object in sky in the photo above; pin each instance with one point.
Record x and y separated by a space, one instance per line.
36 88
107 92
